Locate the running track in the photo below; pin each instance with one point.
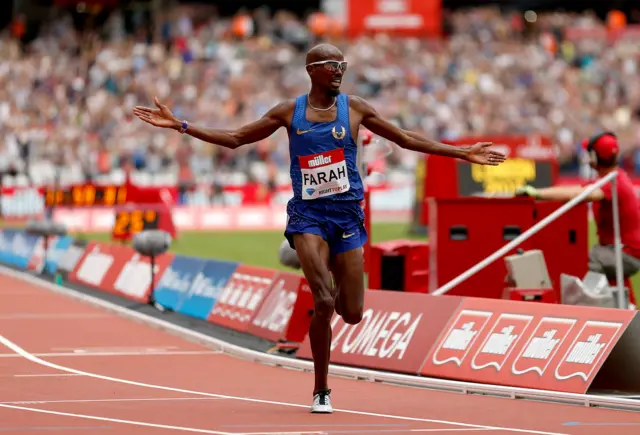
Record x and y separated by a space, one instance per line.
67 367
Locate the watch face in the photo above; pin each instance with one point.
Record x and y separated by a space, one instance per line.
502 180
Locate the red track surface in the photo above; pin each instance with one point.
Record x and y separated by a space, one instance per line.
184 387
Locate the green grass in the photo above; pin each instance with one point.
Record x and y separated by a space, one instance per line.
258 248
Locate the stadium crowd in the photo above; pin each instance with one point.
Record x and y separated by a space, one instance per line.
66 98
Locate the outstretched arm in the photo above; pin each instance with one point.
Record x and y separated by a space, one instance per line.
478 153
250 133
560 193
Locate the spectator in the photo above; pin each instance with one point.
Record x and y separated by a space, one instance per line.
72 94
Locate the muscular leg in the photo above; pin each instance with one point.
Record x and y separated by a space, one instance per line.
313 253
348 271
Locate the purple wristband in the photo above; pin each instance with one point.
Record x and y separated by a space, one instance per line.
184 127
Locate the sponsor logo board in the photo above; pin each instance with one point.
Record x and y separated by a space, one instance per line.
396 331
525 344
242 296
176 281
118 269
205 288
17 247
272 318
71 256
46 260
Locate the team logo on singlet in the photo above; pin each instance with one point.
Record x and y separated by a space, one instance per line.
324 174
338 135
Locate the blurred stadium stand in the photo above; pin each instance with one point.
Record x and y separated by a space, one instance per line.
71 71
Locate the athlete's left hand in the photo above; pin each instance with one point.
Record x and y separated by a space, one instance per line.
481 154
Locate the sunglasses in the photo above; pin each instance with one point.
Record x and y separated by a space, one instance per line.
332 65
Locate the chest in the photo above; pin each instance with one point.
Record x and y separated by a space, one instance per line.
319 131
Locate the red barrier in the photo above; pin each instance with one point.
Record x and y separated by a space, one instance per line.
523 344
118 269
242 296
465 231
273 320
396 331
401 265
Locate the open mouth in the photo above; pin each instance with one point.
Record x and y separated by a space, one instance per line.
336 82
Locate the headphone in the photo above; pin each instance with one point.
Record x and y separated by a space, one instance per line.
592 141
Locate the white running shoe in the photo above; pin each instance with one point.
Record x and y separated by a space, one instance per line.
322 403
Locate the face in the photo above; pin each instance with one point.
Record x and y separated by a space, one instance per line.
327 74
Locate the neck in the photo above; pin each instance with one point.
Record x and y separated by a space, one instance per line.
604 171
320 98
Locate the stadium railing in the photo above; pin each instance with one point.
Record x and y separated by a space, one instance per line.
609 178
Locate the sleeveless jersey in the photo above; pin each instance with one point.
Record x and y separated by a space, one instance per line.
323 156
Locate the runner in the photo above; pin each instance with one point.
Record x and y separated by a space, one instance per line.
325 223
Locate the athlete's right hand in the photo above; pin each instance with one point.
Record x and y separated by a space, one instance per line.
160 117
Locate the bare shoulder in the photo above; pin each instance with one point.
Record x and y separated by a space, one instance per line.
283 110
360 105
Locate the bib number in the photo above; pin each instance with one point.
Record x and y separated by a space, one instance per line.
324 174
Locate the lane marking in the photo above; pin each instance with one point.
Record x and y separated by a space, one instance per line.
370 431
85 349
148 399
20 351
316 425
116 420
49 316
407 381
47 375
124 353
41 428
576 423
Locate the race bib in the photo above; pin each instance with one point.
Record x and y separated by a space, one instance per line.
324 174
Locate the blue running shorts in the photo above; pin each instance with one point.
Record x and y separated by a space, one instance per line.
339 223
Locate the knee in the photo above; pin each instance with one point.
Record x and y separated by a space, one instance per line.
324 306
352 317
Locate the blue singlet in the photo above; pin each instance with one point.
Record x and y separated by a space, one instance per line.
327 188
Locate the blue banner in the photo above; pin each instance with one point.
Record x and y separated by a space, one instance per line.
205 289
16 247
61 246
6 237
176 280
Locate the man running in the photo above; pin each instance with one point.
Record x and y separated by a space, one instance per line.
325 223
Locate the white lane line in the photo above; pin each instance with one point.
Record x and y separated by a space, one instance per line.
20 351
123 353
372 431
117 420
47 375
149 399
49 316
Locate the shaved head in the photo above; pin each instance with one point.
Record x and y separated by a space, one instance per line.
324 52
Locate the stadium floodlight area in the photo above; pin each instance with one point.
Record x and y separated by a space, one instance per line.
623 301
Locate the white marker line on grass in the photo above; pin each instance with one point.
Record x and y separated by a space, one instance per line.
17 349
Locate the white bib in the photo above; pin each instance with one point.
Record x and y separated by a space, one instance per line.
324 174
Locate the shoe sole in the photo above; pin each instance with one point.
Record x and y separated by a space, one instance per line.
322 412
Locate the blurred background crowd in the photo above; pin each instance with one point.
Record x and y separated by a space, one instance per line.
66 95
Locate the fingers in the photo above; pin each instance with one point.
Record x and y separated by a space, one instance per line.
162 107
143 111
